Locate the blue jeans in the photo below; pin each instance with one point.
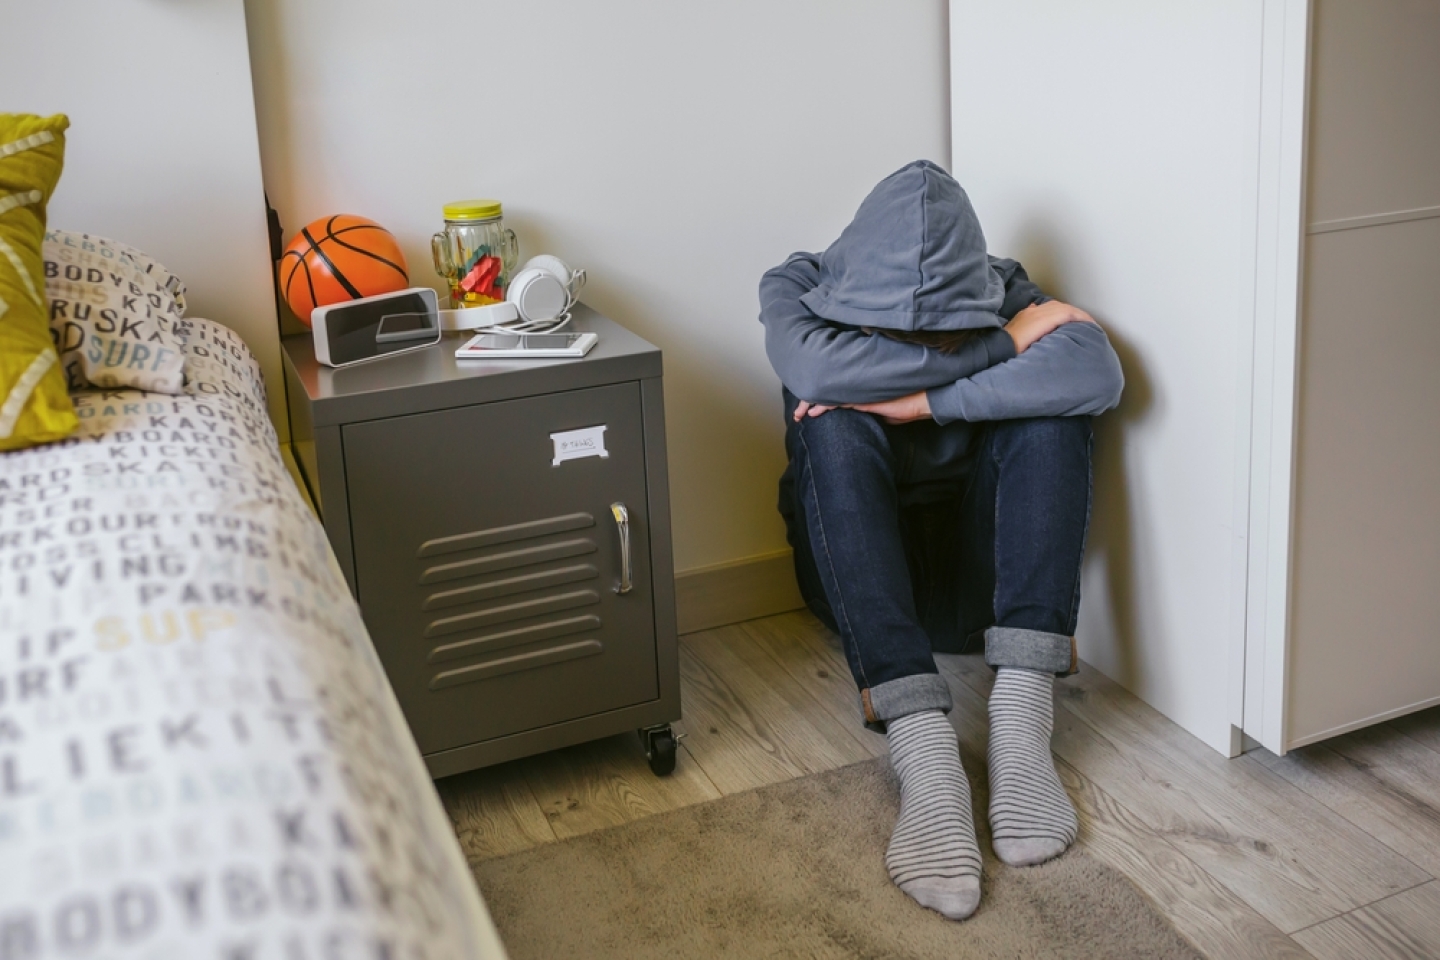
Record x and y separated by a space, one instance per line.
927 536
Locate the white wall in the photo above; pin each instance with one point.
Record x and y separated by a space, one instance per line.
675 150
161 151
1112 147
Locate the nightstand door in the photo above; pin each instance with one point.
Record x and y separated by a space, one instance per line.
489 575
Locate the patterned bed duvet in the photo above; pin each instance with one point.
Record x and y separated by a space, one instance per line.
200 756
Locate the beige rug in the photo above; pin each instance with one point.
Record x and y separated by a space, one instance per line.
797 870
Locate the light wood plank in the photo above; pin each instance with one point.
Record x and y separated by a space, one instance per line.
730 746
1380 780
493 812
799 693
1215 919
1203 909
749 728
1422 726
1403 927
1148 801
1287 855
608 782
802 647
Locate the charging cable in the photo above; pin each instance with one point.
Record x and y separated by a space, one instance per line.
506 317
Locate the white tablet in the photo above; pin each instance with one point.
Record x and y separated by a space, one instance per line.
494 346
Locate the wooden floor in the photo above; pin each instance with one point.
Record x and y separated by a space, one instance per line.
1330 852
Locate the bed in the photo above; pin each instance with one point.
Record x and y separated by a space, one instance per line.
199 753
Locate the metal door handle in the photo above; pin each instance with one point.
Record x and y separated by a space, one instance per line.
622 523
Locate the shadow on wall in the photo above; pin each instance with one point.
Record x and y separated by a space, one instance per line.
263 33
1112 549
723 426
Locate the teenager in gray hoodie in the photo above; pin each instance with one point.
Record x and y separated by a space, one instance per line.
938 493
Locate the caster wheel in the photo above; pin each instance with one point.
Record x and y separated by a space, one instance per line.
659 749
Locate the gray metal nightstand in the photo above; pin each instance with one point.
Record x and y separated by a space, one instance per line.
520 601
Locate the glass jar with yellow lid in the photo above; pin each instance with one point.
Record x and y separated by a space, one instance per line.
475 253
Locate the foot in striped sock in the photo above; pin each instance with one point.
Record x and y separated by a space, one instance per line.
933 855
1031 818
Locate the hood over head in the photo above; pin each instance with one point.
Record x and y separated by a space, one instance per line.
913 259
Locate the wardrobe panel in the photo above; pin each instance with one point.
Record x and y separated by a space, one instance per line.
1375 112
1365 621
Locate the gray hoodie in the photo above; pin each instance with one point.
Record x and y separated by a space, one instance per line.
914 259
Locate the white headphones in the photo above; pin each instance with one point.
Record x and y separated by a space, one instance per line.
538 300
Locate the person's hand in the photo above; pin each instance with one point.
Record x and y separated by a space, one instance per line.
1038 319
907 409
808 409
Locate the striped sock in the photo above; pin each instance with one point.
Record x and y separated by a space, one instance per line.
1031 818
933 855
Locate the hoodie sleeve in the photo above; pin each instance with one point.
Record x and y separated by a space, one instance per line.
1020 290
825 362
1069 372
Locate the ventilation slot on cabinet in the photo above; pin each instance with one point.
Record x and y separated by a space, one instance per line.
512 611
494 535
509 560
520 661
510 585
491 642
512 594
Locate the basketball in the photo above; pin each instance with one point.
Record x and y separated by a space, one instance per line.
340 258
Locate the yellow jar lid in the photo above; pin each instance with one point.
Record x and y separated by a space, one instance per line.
472 209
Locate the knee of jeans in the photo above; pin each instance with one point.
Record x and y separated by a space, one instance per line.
1046 431
841 429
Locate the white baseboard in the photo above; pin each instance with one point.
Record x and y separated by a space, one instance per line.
724 593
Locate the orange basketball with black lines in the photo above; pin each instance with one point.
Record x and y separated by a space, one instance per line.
340 258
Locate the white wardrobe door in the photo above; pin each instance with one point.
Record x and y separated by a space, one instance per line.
1365 615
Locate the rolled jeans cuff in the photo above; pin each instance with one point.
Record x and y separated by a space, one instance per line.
1031 650
907 695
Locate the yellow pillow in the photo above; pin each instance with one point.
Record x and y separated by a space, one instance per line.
34 407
